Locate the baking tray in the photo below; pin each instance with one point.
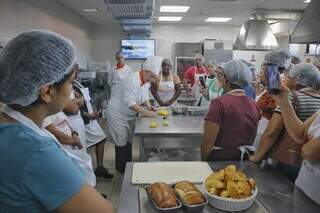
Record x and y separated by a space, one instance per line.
163 210
191 208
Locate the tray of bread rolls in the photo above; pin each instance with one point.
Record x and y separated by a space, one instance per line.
227 189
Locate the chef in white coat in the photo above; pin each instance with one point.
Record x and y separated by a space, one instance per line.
127 102
120 72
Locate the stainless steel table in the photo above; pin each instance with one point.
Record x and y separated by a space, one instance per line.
276 193
183 131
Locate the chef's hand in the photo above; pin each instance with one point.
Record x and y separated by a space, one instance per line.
149 114
95 114
76 141
151 108
283 96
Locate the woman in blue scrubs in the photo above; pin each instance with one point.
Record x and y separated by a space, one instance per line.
37 175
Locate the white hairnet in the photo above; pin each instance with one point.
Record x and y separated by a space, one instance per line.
316 62
297 58
306 75
30 61
213 63
237 73
153 64
279 57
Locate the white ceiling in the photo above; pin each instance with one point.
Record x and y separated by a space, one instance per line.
199 11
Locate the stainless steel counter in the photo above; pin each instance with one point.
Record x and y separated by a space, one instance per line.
183 131
276 193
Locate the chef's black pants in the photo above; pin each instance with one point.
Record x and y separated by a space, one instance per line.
123 155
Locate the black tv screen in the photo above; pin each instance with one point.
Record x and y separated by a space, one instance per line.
138 49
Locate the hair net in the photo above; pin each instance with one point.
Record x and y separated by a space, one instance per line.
166 61
279 57
316 62
153 64
198 56
251 68
30 61
306 75
213 63
237 73
297 58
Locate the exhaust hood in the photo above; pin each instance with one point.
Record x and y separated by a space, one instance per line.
307 29
255 34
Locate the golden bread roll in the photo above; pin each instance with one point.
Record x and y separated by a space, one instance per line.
240 176
162 195
214 191
188 193
212 182
233 189
232 168
245 188
229 175
252 183
224 193
218 175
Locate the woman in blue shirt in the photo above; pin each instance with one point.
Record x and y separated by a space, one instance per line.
37 175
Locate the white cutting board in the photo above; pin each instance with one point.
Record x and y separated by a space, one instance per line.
170 172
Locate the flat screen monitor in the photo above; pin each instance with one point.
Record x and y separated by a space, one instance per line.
138 49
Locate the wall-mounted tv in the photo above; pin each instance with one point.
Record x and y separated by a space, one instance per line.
138 49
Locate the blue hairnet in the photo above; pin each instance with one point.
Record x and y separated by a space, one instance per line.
279 57
306 75
30 61
237 73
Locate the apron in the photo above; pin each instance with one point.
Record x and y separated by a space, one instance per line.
196 86
77 124
121 120
94 133
166 89
117 76
82 159
309 175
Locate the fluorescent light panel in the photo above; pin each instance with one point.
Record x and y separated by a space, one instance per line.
174 9
94 10
169 18
307 1
271 21
218 19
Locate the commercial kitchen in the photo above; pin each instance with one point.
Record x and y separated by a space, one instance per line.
142 106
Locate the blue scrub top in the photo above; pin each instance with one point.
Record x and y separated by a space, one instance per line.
35 174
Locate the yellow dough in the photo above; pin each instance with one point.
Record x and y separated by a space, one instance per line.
163 113
153 125
165 123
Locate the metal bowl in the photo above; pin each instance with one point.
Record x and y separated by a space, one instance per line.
179 109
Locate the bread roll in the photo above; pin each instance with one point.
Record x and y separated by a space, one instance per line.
188 193
162 195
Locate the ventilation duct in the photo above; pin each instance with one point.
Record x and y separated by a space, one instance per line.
255 34
122 9
307 29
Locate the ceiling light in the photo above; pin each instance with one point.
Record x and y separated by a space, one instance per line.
271 21
218 19
174 9
307 1
90 10
170 18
